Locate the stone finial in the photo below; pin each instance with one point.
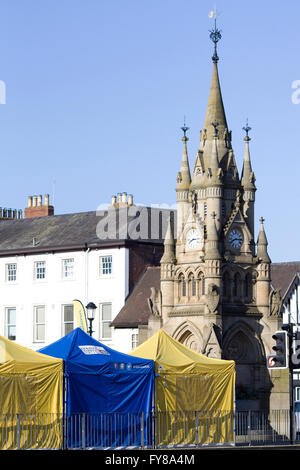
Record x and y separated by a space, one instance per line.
262 243
169 246
184 174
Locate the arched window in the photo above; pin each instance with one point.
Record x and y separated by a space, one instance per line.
192 285
236 285
201 284
182 286
248 286
226 285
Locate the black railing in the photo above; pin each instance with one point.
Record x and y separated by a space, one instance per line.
140 430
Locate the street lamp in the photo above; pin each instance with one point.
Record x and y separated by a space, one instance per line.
91 310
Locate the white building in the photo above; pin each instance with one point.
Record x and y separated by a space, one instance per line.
286 278
47 261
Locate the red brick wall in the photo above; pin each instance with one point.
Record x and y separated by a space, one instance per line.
38 211
140 256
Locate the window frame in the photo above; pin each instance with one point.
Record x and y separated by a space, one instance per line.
37 324
10 325
64 323
102 322
35 270
101 269
134 340
7 275
64 265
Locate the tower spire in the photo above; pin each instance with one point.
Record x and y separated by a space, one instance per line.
262 243
184 175
215 108
169 245
248 177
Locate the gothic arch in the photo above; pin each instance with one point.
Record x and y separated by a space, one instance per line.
189 335
189 271
242 344
178 273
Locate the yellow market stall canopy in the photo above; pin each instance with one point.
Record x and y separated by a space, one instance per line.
30 397
194 393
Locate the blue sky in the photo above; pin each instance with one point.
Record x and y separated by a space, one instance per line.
96 93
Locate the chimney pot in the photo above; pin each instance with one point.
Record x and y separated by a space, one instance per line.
40 200
29 201
124 198
34 201
46 199
130 199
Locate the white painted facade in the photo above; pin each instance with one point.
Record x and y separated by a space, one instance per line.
33 310
290 312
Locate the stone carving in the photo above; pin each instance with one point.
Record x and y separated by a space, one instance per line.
275 303
212 298
154 302
179 177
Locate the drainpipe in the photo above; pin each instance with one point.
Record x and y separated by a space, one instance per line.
87 275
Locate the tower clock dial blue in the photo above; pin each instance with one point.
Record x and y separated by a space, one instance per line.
235 238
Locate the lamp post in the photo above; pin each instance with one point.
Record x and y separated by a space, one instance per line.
91 310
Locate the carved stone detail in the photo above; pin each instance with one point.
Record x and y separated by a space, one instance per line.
275 303
154 302
212 298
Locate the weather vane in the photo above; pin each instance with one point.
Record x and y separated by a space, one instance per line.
184 129
215 34
247 129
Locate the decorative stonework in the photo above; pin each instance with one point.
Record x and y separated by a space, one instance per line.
154 302
212 298
275 303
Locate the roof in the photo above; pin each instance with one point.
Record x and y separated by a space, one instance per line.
77 230
16 359
81 351
136 310
283 274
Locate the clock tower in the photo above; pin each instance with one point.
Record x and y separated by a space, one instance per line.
216 293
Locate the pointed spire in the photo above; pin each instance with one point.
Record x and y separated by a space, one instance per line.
248 178
184 175
169 245
215 108
262 243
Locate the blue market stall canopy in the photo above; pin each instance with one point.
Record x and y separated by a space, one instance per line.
100 379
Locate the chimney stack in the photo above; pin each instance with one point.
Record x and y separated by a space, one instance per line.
121 200
36 208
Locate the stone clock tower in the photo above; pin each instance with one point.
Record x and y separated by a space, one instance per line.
215 280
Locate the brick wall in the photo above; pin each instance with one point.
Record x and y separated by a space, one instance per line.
141 256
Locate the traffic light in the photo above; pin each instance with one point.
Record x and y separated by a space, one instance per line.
280 348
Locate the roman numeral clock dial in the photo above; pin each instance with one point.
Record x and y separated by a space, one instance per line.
235 238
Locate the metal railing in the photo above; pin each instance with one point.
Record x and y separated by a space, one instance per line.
262 427
31 431
140 430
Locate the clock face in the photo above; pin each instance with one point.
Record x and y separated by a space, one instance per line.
193 239
235 238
